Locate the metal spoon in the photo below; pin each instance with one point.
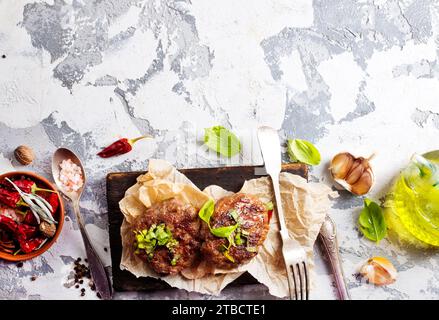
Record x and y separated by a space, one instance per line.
97 269
328 238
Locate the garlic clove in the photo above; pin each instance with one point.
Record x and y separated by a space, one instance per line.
352 173
364 184
341 164
356 172
343 185
379 271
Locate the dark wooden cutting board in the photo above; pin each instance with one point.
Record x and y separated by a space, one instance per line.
230 178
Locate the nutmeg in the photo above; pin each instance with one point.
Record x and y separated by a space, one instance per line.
24 155
47 229
352 173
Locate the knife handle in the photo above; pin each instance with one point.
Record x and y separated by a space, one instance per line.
328 237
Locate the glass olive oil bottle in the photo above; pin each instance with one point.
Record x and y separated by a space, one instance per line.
412 206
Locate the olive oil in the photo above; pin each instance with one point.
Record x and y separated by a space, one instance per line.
412 207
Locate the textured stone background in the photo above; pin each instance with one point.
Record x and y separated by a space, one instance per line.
348 75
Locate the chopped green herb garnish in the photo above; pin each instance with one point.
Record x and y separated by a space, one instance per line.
269 206
234 214
238 239
228 256
148 240
175 260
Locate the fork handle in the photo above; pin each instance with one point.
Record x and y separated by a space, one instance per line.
328 237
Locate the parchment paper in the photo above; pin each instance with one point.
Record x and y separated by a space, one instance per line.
305 205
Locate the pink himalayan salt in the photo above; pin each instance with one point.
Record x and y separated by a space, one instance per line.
70 176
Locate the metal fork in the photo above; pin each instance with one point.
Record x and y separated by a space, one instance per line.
294 255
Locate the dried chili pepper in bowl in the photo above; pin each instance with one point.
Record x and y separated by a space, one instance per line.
28 246
23 238
29 186
119 147
11 198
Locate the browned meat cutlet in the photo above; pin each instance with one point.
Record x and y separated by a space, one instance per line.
182 221
253 228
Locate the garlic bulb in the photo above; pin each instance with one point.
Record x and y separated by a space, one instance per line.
379 271
353 174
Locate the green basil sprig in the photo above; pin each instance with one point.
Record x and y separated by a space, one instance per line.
206 211
205 214
303 151
224 232
372 222
222 141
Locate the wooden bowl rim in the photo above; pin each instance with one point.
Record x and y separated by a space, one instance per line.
61 214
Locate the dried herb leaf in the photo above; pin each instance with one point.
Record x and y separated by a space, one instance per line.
372 222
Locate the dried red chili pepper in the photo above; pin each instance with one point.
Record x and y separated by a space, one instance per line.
119 147
8 224
30 219
25 231
27 246
20 231
53 200
29 186
11 198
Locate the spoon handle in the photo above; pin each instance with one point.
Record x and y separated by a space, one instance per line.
328 238
97 269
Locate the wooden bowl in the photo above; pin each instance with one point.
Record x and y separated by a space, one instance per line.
41 183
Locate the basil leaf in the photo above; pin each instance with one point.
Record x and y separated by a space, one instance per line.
372 222
206 211
303 151
224 232
222 141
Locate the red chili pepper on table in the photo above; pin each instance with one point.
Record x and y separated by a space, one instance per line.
119 147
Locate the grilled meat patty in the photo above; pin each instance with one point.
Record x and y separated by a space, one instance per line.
182 222
252 218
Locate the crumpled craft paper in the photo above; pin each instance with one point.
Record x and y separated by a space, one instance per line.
305 207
